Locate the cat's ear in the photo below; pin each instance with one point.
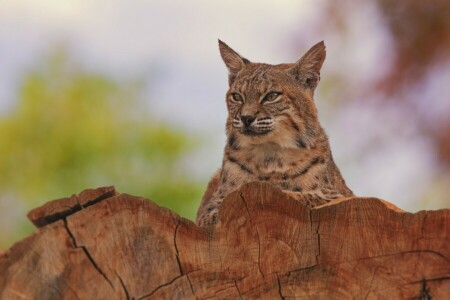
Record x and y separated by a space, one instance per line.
232 60
307 69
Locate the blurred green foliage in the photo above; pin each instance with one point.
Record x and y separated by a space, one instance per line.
72 130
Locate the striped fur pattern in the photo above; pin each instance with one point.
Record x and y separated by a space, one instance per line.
273 133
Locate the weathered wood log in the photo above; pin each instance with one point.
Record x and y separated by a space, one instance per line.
106 245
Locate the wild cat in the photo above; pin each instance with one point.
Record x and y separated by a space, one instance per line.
273 133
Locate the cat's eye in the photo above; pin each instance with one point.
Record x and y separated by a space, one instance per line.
270 97
237 97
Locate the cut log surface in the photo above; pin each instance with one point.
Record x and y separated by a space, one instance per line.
105 245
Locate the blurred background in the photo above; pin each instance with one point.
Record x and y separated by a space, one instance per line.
131 94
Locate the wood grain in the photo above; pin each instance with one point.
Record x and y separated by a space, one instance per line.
105 245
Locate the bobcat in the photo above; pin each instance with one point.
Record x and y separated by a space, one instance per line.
273 133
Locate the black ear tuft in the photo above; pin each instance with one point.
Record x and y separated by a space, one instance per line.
232 60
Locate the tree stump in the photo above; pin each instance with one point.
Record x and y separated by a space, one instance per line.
105 245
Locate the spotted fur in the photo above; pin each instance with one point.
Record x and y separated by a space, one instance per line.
274 133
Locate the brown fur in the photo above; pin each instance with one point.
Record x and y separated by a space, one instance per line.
274 134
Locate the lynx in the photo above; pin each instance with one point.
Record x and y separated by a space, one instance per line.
273 133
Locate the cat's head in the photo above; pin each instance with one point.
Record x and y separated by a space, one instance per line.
272 103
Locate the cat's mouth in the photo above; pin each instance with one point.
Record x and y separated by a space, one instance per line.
249 131
259 127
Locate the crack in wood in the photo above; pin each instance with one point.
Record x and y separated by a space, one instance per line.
67 210
424 293
440 278
96 200
257 235
123 286
375 257
389 254
191 286
317 233
160 287
182 273
318 241
177 255
259 253
302 269
86 252
237 288
279 287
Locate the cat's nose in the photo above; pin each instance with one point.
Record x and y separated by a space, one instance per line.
247 120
